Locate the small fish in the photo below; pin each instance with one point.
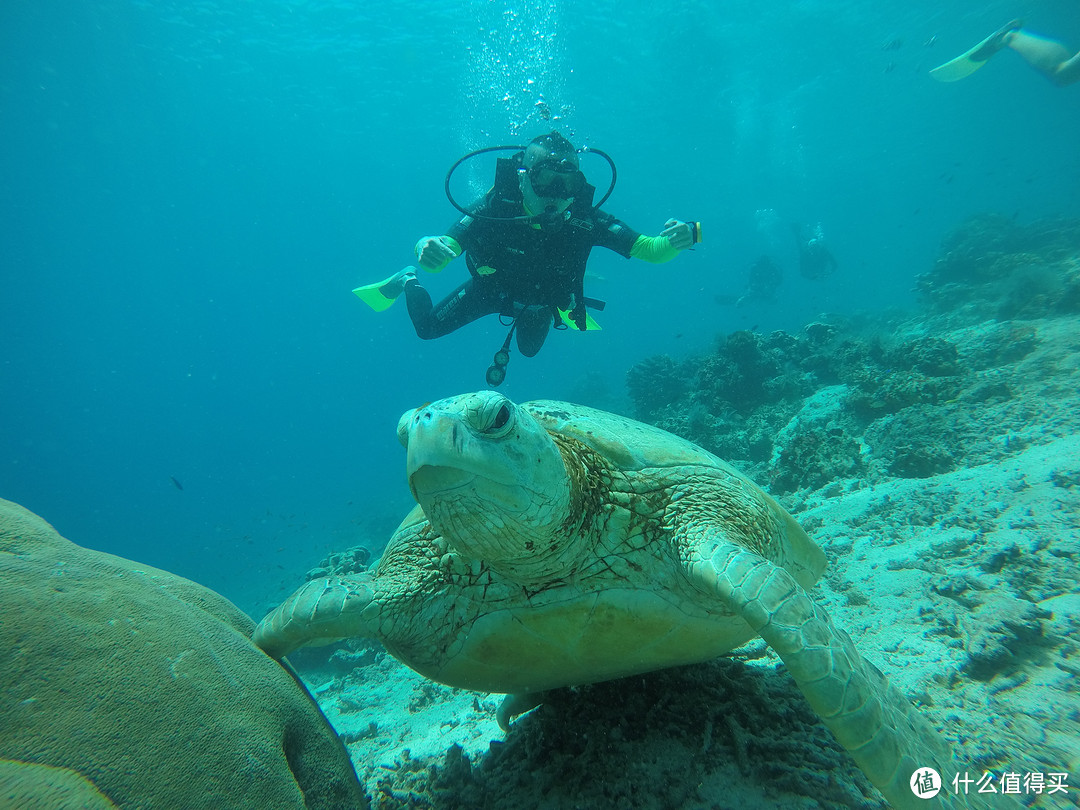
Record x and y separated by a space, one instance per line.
176 484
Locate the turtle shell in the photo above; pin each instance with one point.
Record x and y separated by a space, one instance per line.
633 446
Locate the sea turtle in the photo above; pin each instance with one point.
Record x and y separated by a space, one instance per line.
556 545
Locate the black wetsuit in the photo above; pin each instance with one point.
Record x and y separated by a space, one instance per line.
519 270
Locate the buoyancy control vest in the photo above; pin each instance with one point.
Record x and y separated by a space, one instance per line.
540 263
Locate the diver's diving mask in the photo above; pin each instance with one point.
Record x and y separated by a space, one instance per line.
557 179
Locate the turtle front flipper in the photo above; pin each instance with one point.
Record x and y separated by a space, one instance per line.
874 722
321 611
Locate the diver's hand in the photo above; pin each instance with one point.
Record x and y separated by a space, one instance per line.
679 234
433 253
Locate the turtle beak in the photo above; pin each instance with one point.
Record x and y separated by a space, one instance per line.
434 452
404 423
427 481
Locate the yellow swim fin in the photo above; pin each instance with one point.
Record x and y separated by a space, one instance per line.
590 324
971 60
382 294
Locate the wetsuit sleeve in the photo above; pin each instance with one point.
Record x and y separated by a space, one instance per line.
616 235
655 249
466 231
459 231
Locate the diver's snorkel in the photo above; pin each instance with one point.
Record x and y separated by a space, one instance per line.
549 216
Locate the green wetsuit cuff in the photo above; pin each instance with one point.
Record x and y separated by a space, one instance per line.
655 249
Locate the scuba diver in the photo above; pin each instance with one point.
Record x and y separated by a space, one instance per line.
762 281
815 259
526 244
1048 56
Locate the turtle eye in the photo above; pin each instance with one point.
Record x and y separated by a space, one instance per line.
493 416
501 418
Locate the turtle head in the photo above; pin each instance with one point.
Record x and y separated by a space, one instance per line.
492 482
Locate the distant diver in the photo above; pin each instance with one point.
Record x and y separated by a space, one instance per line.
526 244
1048 56
815 259
762 281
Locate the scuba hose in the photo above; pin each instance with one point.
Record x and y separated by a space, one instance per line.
526 219
496 372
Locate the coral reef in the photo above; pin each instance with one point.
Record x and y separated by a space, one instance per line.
656 382
993 267
689 730
907 397
1000 634
814 447
341 563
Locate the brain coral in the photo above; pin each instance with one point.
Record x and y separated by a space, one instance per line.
148 687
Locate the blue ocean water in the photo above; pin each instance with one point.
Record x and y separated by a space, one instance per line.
189 191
